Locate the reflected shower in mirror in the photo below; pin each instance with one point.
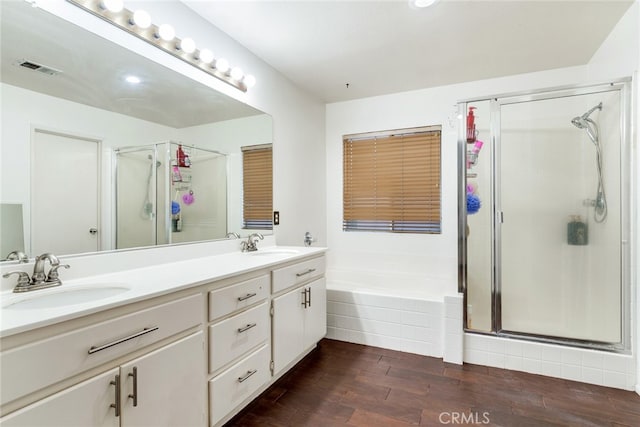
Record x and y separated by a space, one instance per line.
54 84
169 193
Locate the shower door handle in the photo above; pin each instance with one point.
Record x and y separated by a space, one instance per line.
500 217
93 231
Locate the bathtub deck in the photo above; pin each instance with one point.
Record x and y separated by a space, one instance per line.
356 385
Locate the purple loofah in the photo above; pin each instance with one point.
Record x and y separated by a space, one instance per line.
473 204
188 198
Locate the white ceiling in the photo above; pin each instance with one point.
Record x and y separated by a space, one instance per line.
381 47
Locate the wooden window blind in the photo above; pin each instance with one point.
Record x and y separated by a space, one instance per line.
257 184
392 181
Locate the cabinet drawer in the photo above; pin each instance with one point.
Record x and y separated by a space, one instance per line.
42 363
235 336
233 386
227 300
286 277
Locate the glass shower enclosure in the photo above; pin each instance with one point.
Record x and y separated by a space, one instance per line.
169 193
546 255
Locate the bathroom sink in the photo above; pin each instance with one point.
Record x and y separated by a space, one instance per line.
62 297
276 251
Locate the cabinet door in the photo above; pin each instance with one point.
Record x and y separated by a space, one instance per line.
169 385
85 404
315 315
288 328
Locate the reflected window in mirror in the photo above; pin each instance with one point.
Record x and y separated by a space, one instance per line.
257 171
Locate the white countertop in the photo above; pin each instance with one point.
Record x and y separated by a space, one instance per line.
144 283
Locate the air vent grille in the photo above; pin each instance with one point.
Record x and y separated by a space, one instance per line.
39 67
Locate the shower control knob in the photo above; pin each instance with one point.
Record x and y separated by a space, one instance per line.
93 231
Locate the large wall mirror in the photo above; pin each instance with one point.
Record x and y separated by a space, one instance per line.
74 117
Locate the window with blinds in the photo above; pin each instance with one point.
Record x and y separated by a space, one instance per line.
392 181
257 172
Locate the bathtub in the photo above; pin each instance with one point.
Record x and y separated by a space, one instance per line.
398 311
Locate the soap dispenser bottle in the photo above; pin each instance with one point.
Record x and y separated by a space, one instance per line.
577 231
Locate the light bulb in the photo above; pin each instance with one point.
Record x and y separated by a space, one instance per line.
206 56
142 19
114 6
222 65
166 32
249 80
419 4
236 73
188 45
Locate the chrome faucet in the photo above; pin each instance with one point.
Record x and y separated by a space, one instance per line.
38 277
251 244
39 280
17 255
233 234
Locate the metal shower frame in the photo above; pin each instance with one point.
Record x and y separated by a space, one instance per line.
628 210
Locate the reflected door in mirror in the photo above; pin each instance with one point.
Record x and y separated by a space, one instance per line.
64 191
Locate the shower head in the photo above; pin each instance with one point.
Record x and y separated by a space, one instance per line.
582 122
579 122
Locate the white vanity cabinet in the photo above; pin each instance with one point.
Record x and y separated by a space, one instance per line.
166 383
192 357
89 403
162 388
299 314
239 343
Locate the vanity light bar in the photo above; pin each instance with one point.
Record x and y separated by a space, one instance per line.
164 38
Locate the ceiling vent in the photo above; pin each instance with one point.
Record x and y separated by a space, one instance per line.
39 67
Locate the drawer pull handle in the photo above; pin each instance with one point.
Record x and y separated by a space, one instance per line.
246 376
117 404
311 270
246 328
247 296
134 395
145 331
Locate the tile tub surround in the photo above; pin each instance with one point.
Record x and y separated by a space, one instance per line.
576 364
405 318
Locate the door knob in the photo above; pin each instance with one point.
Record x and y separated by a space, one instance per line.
93 231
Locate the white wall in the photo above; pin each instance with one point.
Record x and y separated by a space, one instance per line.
229 137
436 255
23 109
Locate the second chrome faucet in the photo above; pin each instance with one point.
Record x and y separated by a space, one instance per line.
251 244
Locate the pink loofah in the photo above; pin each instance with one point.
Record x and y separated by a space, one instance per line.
188 198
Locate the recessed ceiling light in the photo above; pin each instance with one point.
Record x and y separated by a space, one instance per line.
420 4
134 80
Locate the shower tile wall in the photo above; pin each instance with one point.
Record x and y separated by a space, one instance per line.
589 366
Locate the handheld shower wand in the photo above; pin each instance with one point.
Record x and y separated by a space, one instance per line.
584 122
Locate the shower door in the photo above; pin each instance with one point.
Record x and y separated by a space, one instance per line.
136 204
558 241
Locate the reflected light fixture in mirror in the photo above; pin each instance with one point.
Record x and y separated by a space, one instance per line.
421 4
139 23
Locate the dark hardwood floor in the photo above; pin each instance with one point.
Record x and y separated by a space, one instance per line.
355 385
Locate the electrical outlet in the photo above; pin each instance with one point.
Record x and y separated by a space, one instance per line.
276 217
